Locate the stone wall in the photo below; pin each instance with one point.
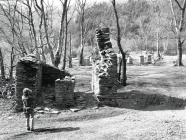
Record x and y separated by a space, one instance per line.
26 76
64 92
30 73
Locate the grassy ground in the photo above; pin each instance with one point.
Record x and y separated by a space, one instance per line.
109 123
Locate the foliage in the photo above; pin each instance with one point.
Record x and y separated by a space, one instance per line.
140 20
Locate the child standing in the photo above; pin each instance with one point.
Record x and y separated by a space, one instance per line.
28 108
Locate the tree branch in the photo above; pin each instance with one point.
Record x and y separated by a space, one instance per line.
178 4
174 16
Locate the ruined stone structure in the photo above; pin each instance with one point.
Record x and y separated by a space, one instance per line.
142 59
37 76
64 92
149 59
104 76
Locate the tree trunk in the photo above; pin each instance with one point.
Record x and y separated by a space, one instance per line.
81 55
165 45
157 46
2 66
82 39
46 33
11 64
124 70
124 76
43 55
40 14
70 53
82 43
66 37
59 49
32 26
179 54
119 69
41 38
146 44
179 29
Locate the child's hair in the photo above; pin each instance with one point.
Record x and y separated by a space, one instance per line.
26 92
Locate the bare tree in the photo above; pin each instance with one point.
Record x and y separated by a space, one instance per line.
29 5
70 51
46 32
67 21
2 66
124 76
12 33
11 18
60 44
80 6
65 46
158 36
41 15
178 21
12 56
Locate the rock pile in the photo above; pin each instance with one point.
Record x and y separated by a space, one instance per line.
64 92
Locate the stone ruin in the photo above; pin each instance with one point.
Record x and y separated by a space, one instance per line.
64 89
42 80
104 76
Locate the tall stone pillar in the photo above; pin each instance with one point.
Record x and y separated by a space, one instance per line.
104 76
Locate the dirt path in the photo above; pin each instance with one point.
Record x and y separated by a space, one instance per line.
144 125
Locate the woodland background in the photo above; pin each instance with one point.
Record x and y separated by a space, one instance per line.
56 33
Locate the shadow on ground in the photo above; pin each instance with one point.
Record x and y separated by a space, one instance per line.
146 100
44 131
113 105
55 130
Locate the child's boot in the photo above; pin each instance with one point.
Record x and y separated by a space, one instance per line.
32 123
27 123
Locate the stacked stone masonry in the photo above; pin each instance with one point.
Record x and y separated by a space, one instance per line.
39 77
104 75
64 92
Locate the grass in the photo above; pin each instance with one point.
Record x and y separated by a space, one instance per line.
158 121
